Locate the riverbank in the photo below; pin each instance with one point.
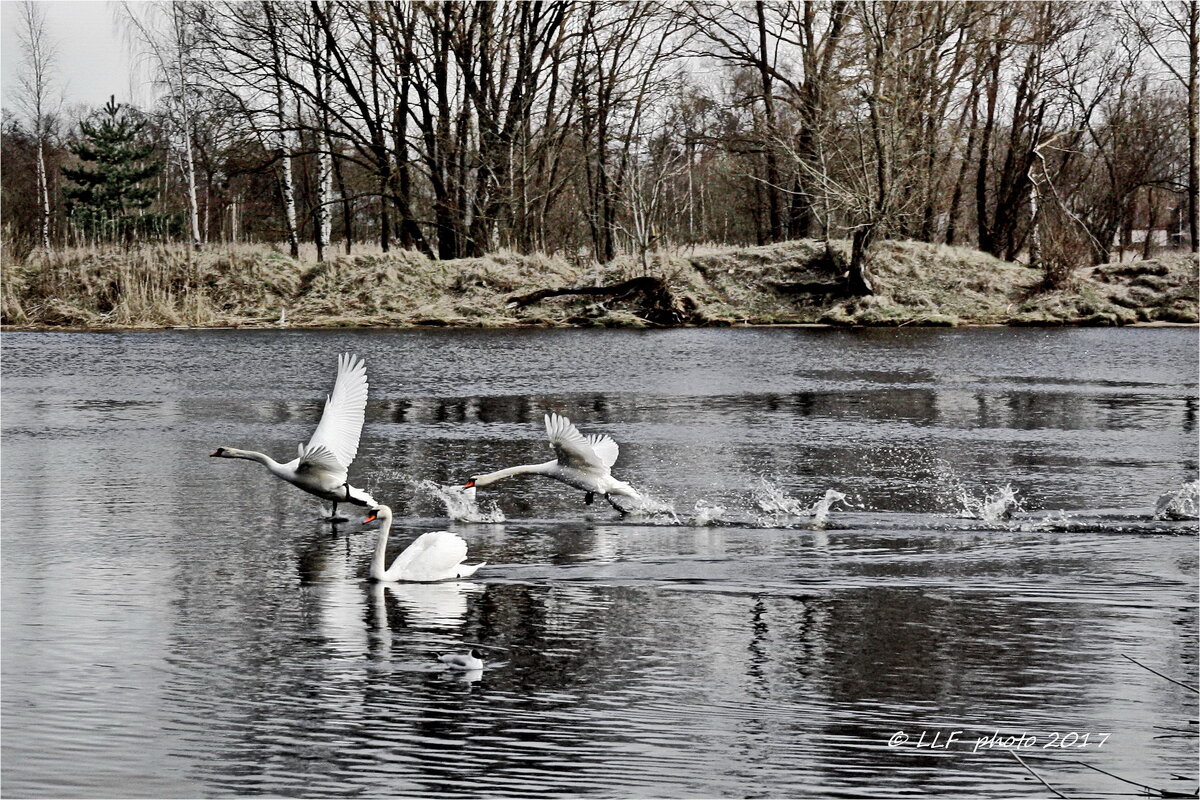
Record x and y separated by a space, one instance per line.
779 284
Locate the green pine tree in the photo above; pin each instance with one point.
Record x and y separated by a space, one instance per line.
108 193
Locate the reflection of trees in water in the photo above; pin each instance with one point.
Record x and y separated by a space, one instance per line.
517 409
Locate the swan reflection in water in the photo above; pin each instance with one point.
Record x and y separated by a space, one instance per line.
428 606
425 605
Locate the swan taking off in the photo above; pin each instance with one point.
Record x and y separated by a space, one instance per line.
582 462
322 464
434 556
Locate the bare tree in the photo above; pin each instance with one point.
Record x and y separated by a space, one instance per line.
38 56
287 187
1171 29
170 41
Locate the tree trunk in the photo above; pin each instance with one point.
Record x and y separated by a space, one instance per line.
1193 189
347 211
858 279
43 191
324 177
774 220
189 164
956 197
189 168
1151 221
985 241
287 191
287 186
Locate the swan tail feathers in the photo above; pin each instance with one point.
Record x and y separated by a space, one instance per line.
359 497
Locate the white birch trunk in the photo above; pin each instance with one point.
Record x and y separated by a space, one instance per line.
189 163
288 189
287 185
43 190
189 167
324 195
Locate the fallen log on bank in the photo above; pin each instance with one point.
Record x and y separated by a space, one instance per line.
657 303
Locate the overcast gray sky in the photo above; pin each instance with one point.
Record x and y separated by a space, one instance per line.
94 59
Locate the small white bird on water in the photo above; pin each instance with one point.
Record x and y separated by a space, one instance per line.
463 663
434 556
322 466
582 461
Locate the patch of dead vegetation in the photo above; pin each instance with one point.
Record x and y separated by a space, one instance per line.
1162 289
787 282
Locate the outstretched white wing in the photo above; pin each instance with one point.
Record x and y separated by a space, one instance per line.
572 447
319 458
342 421
605 448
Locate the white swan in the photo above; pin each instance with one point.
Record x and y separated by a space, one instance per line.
322 464
434 556
463 663
582 462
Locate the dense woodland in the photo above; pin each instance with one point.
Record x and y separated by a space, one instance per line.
1045 131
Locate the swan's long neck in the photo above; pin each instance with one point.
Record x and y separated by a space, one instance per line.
378 571
250 455
524 469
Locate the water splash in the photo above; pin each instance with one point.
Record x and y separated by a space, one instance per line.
460 503
651 510
770 499
781 511
1060 520
820 510
1181 503
993 506
706 514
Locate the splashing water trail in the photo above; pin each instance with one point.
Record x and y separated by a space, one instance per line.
1181 503
652 510
991 506
820 510
780 510
1059 520
706 513
460 503
769 498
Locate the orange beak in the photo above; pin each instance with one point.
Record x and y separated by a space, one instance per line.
370 518
469 484
214 454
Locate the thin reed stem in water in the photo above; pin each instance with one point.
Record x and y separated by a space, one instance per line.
1033 772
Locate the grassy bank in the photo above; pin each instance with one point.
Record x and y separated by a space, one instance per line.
790 282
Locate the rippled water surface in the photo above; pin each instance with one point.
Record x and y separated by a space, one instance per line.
175 625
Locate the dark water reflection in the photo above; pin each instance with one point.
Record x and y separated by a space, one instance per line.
175 626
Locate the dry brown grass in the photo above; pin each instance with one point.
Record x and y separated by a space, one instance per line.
259 285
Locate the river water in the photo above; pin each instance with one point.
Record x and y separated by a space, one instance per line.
180 626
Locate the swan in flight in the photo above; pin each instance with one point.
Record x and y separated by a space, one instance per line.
434 556
322 464
463 663
582 461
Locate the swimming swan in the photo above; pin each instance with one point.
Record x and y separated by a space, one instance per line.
322 464
582 462
434 556
463 663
